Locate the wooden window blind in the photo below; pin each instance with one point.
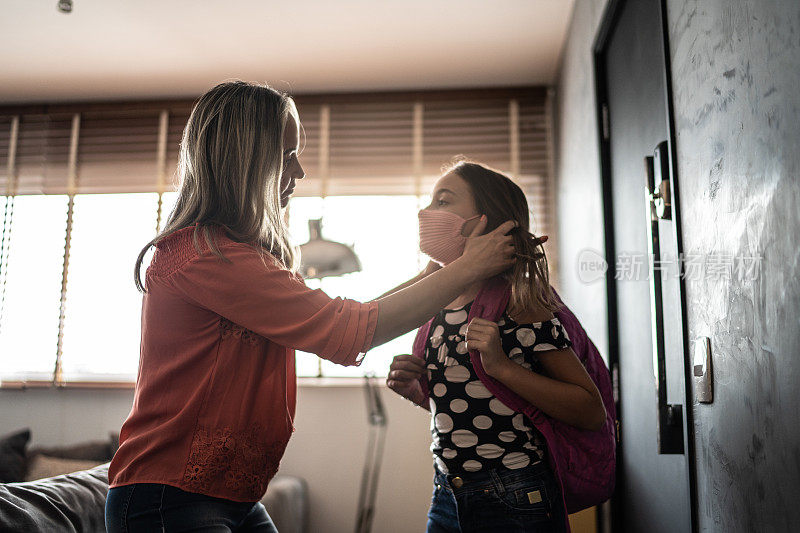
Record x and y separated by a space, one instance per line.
353 144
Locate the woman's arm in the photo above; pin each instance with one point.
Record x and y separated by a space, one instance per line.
566 392
484 256
428 270
259 295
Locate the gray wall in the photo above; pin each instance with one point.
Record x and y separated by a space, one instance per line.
736 85
578 194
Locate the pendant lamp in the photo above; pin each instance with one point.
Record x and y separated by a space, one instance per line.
321 258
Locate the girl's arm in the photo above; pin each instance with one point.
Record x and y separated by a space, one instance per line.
404 375
566 392
484 256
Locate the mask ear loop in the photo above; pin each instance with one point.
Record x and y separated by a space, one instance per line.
465 223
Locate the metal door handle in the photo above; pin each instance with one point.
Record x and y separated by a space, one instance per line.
669 423
660 200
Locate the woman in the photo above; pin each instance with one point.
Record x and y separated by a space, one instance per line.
223 311
491 472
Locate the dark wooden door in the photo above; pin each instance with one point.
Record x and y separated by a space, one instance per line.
647 319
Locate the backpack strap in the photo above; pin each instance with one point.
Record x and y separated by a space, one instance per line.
489 304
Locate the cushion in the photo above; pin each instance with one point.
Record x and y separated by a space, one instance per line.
12 455
99 451
43 466
286 501
113 443
72 502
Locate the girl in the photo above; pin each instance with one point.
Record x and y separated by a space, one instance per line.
223 311
489 459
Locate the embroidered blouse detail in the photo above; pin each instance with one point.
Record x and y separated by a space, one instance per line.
229 329
237 460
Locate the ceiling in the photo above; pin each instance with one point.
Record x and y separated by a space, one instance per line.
139 49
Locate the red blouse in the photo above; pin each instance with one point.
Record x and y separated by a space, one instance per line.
215 394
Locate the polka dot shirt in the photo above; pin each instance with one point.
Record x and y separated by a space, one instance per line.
471 429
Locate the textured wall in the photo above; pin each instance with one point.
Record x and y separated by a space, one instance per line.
578 195
736 84
736 76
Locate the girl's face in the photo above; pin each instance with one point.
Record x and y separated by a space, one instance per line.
292 171
451 193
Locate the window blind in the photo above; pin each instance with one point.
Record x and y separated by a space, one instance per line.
355 144
399 147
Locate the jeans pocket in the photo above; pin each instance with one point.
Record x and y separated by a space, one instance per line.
531 497
116 509
125 507
436 491
440 490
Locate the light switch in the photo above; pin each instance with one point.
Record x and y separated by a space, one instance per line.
702 371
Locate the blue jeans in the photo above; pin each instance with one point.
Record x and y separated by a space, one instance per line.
510 501
150 507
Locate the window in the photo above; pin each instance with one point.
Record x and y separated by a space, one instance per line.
103 313
32 286
384 233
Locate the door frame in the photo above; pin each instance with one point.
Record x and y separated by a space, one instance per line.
607 26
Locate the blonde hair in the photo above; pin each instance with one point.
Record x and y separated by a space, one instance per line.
500 199
231 161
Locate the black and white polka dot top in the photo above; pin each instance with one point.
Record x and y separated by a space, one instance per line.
471 429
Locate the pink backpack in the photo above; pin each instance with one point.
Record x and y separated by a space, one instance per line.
583 461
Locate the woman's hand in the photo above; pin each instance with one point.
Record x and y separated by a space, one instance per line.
490 254
409 308
404 374
484 336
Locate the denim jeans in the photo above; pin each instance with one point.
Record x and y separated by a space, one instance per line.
510 501
150 507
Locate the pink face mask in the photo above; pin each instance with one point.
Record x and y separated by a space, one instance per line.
440 235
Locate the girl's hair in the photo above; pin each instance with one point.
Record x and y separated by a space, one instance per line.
500 199
231 160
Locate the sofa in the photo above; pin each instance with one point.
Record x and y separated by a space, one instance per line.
64 489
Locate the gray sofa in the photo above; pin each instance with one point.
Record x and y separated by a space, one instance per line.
70 502
75 501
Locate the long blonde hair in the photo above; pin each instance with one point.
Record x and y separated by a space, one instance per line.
231 160
500 199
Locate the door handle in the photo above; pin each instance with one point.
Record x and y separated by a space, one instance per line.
659 196
669 423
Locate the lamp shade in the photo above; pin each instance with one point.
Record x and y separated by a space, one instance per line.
321 258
